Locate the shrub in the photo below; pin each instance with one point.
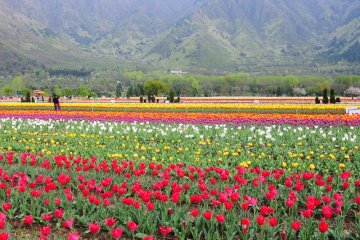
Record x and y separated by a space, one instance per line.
28 97
332 96
325 99
141 99
317 100
338 100
171 96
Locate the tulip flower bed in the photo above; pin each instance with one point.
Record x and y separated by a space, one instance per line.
184 107
69 179
192 117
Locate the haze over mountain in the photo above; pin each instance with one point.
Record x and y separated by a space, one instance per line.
223 35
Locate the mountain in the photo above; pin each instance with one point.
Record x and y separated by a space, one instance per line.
205 35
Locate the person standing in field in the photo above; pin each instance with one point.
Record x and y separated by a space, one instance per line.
56 103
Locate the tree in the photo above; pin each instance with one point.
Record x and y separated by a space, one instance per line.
17 83
299 91
352 91
58 91
332 96
83 91
68 92
130 92
118 89
325 99
8 91
155 88
195 87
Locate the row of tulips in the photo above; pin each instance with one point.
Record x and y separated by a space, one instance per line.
191 117
187 107
293 148
88 197
184 106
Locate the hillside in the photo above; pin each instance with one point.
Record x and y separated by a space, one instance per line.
214 35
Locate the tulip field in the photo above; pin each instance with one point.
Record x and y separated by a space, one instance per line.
179 171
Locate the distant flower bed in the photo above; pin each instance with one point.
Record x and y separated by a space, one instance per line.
184 107
191 117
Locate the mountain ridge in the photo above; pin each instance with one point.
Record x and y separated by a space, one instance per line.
225 35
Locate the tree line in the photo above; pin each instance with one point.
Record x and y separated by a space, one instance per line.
136 83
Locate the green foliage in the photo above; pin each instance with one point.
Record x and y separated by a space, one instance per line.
28 97
118 89
317 100
171 96
17 83
83 92
155 87
332 96
325 99
7 90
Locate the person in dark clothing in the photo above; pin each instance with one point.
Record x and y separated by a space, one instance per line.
56 103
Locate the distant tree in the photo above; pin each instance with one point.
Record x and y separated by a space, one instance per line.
83 91
68 92
332 96
58 91
118 89
28 97
24 91
130 91
325 99
17 83
154 87
171 96
352 91
195 87
8 91
317 100
299 91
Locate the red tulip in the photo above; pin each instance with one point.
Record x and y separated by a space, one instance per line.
164 230
358 200
28 219
260 219
94 227
207 215
73 236
47 217
45 231
6 206
116 233
327 211
323 226
110 222
4 236
220 218
132 226
2 220
150 206
228 205
296 225
195 212
273 221
148 238
68 223
170 211
58 213
245 222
